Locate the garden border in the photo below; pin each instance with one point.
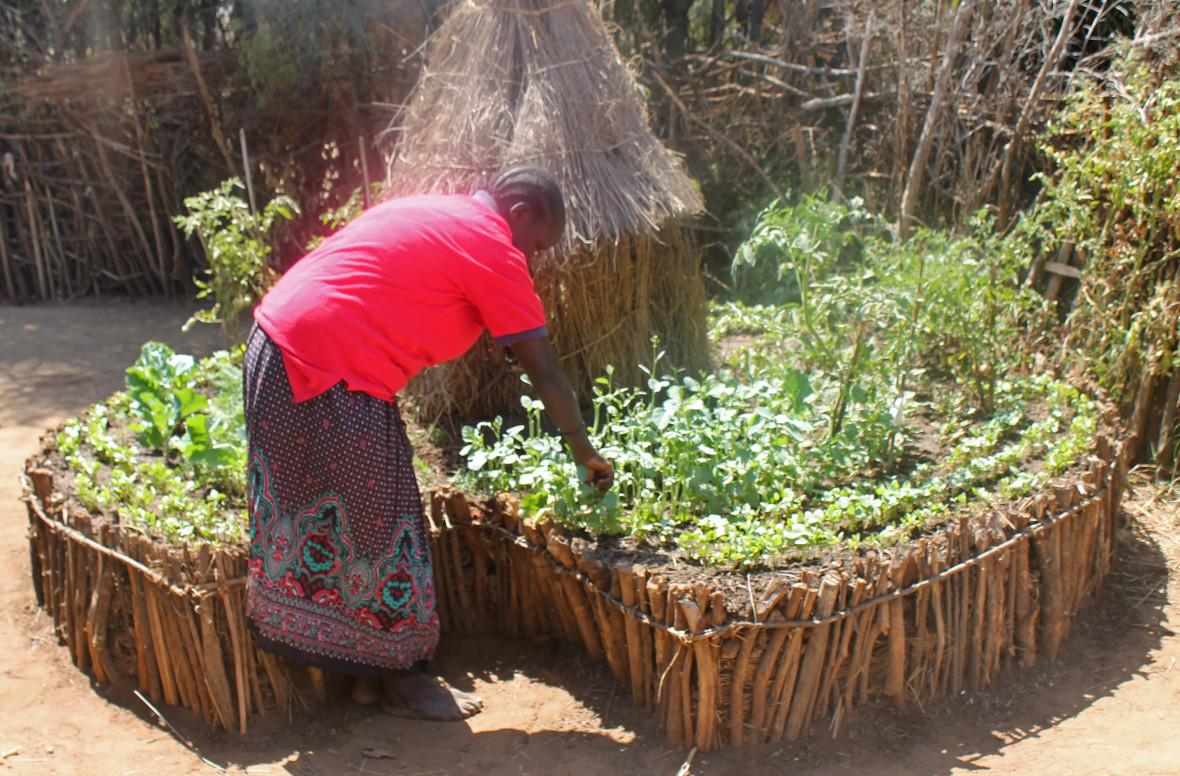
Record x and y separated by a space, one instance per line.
945 612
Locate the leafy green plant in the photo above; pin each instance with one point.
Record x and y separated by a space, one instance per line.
160 396
970 310
163 455
797 442
148 494
234 241
873 316
171 414
739 474
1113 198
336 218
792 247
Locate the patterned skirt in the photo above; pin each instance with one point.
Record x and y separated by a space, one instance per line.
340 574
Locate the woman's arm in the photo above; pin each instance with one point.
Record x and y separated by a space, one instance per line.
539 362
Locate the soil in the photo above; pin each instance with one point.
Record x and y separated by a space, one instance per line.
1109 705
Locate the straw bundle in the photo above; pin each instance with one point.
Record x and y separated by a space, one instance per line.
530 82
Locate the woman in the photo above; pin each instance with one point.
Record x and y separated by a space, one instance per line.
340 575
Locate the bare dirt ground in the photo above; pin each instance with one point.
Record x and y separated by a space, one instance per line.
1109 705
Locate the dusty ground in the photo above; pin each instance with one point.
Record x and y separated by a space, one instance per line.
1110 705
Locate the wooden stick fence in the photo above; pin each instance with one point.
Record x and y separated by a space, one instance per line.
910 624
97 159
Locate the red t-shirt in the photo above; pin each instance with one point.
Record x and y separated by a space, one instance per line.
408 284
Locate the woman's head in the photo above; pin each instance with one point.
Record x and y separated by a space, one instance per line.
531 202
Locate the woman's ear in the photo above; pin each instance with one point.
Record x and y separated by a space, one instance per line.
521 211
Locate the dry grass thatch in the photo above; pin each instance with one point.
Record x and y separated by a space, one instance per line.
541 83
538 82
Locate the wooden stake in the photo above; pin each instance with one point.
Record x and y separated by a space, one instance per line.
707 679
787 665
612 638
464 613
865 635
647 643
631 629
737 688
77 597
841 654
191 654
237 640
1012 585
975 646
663 647
760 688
278 683
319 684
149 677
552 581
584 618
100 606
958 611
1048 548
214 659
802 700
895 667
993 628
160 647
485 608
673 717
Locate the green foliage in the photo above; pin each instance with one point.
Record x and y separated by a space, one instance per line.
739 474
792 247
1115 198
291 48
969 309
234 242
171 415
194 491
336 218
798 442
737 468
853 302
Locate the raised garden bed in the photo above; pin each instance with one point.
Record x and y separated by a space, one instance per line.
724 659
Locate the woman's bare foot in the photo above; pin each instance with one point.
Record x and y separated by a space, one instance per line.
424 697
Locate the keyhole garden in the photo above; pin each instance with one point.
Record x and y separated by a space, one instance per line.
891 487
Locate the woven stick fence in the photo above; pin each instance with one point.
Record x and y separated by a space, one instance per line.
924 620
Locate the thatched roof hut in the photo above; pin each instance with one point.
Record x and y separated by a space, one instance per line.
540 82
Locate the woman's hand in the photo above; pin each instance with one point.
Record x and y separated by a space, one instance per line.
599 472
539 361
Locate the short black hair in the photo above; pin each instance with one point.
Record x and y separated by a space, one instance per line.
531 185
